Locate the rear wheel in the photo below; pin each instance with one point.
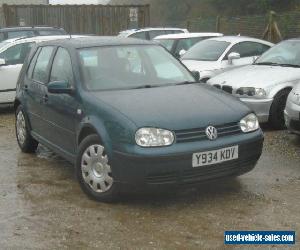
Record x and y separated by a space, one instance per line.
94 172
25 141
277 109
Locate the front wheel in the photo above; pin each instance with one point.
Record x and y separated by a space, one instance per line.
277 109
25 141
93 170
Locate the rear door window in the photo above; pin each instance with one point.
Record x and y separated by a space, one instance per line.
21 33
62 67
139 35
155 33
16 54
41 69
249 49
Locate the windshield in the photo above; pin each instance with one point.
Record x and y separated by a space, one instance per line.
207 50
286 53
130 67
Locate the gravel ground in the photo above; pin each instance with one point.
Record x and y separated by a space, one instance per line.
42 206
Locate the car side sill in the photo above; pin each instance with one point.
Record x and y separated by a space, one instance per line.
64 154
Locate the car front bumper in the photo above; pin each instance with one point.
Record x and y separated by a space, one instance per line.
261 107
292 117
154 169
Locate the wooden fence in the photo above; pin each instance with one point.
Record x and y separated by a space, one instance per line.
80 19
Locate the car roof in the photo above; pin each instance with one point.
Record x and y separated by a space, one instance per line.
131 31
37 39
187 35
237 39
16 28
96 41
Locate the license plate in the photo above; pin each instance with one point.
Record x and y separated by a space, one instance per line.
215 156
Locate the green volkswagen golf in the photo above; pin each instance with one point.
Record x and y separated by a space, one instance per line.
130 116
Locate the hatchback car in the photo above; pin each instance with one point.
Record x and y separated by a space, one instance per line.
217 55
179 44
22 31
12 55
292 110
128 114
150 33
265 85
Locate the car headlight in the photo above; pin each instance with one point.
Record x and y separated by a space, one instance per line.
154 137
250 91
249 123
295 98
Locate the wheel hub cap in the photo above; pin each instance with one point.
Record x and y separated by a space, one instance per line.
96 171
21 128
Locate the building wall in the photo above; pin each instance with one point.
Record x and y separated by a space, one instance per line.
11 2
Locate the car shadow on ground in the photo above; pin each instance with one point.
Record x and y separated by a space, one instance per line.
6 109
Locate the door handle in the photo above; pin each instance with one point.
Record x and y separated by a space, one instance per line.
45 98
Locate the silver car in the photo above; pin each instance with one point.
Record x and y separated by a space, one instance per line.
265 85
292 111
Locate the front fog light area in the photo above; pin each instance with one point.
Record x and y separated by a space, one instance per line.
154 137
249 123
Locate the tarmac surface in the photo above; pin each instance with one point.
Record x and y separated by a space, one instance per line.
43 207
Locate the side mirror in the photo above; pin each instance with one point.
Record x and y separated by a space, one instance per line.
60 87
196 75
232 56
182 52
2 62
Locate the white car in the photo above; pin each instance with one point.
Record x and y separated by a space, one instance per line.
150 33
217 55
12 55
179 44
265 85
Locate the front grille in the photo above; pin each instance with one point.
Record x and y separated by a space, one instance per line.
200 174
225 88
198 134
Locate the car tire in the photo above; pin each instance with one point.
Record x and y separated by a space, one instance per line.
25 141
93 171
277 109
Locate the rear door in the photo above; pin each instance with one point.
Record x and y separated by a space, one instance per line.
14 58
36 88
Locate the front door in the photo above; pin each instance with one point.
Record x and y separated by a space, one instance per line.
61 109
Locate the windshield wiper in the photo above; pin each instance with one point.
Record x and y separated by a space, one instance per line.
278 64
267 63
289 65
146 86
185 82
